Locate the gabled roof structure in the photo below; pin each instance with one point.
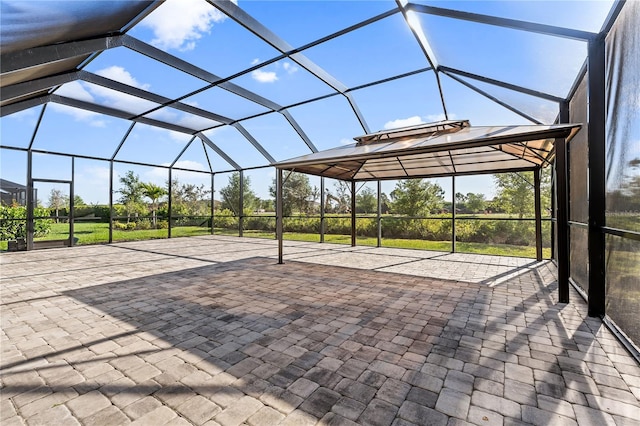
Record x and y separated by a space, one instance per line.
446 148
50 46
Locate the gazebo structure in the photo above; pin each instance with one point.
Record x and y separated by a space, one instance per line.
447 148
251 89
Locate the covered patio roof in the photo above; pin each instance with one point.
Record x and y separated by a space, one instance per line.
444 148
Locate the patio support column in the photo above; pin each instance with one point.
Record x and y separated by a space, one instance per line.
279 230
322 207
241 205
169 202
538 213
71 196
30 200
379 221
213 200
596 98
562 212
353 213
110 201
453 214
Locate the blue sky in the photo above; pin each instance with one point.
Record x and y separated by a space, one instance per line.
196 32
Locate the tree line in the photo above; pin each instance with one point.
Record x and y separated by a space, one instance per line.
411 197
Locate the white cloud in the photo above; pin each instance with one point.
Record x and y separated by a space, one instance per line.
264 76
75 90
179 24
123 76
92 184
255 61
189 164
96 94
119 100
289 67
403 122
91 118
346 141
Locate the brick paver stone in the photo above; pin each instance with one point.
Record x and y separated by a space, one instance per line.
210 330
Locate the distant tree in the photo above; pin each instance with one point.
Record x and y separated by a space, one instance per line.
366 201
130 193
58 200
153 192
626 195
461 202
515 192
78 201
385 203
266 205
231 194
475 202
297 193
342 197
188 199
415 197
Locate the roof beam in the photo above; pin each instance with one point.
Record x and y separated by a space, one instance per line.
493 98
152 97
425 46
299 130
29 58
22 105
241 17
184 66
182 152
533 27
100 109
19 90
254 142
218 151
502 84
168 59
247 21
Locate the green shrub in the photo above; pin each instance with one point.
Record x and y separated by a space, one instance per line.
143 224
11 229
119 226
162 224
225 219
130 226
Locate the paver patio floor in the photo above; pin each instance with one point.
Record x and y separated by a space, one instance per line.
210 330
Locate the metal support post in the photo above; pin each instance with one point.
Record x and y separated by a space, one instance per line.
71 203
169 212
553 210
241 205
453 214
596 175
322 208
379 217
30 200
353 213
110 201
213 201
538 213
279 209
562 212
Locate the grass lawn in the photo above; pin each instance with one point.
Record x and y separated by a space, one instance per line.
98 233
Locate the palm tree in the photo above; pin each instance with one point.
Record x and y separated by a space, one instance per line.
154 193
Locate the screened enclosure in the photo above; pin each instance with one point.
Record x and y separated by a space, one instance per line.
189 96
